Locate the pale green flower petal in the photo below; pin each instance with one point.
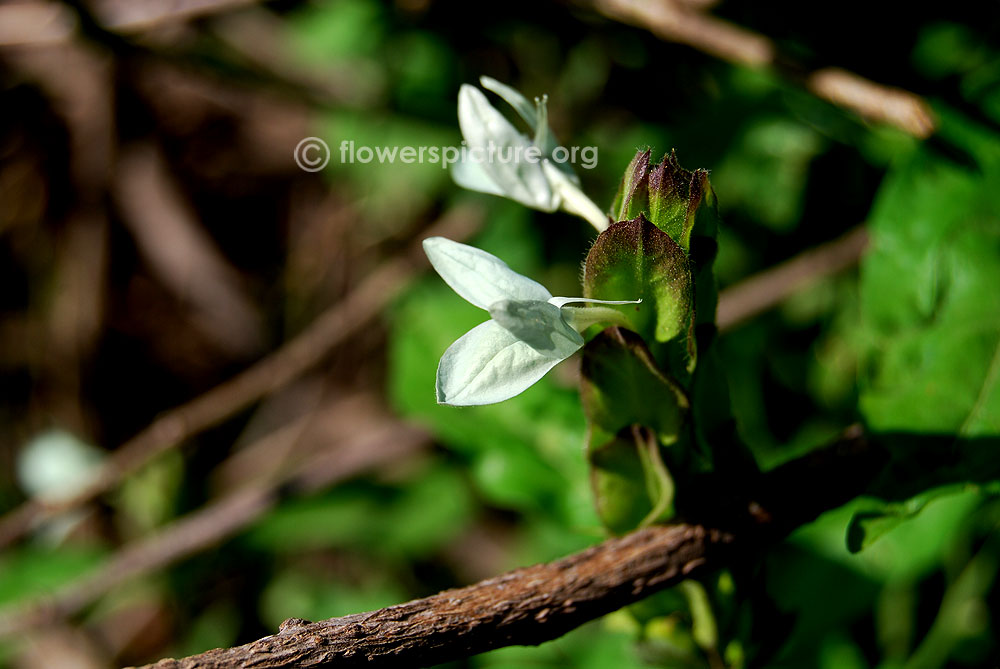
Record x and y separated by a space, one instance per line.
498 162
501 150
488 364
478 276
546 140
525 109
470 174
530 330
536 115
538 324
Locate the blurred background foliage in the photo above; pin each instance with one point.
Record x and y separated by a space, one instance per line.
157 238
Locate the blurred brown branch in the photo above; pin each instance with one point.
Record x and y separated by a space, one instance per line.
39 22
248 32
181 252
680 22
767 289
341 321
532 605
132 16
375 440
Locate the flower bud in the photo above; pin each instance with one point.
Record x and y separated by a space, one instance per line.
665 193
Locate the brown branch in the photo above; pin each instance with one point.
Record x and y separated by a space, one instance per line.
532 605
35 23
527 606
307 349
677 22
877 102
770 287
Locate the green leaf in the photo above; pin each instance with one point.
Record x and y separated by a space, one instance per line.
704 628
765 171
414 519
633 411
930 302
617 469
868 526
621 385
634 259
930 309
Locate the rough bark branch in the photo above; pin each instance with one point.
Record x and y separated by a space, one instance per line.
532 605
526 607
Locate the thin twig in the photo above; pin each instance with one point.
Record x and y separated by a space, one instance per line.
679 22
307 349
770 287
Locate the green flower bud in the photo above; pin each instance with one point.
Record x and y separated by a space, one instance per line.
665 193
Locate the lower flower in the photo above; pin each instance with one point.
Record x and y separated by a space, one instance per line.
529 332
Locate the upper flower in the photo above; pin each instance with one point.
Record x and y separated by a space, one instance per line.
502 161
529 332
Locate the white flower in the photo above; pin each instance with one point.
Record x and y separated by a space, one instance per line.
529 333
502 161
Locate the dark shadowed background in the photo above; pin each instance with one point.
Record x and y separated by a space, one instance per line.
216 369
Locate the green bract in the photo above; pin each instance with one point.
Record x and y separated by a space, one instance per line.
502 161
636 258
654 400
529 333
